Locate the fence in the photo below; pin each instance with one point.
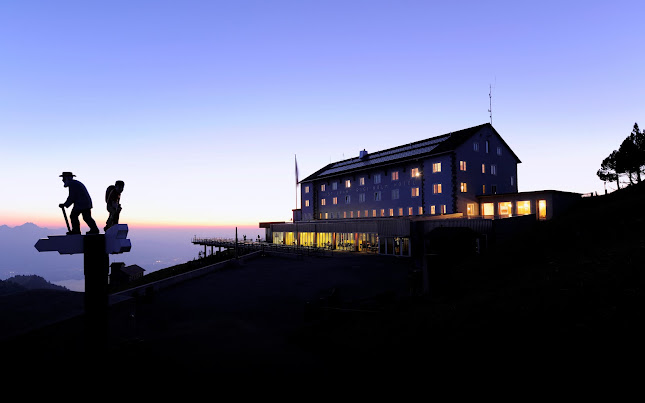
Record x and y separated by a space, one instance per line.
264 247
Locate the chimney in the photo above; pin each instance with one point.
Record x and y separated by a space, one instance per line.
363 154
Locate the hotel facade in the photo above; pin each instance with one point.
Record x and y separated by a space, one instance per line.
378 201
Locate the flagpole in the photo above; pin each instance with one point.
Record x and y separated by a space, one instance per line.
296 161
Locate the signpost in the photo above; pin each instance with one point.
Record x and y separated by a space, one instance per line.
95 249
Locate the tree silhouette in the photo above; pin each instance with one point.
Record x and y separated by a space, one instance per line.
628 160
608 171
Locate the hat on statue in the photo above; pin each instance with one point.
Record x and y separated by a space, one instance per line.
67 174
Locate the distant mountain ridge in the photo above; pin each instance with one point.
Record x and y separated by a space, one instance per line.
22 283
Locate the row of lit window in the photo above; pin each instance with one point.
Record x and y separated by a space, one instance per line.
381 213
436 189
414 173
506 208
436 168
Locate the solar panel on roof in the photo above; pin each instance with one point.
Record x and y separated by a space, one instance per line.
421 147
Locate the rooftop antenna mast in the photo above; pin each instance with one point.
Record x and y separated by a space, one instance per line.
490 103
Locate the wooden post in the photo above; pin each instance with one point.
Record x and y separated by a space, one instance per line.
96 269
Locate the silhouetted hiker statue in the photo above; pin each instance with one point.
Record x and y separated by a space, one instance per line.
113 199
80 198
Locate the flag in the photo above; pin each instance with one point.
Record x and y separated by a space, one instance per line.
294 157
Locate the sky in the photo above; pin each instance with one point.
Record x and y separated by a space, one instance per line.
202 107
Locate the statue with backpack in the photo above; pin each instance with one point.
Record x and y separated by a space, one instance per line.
113 199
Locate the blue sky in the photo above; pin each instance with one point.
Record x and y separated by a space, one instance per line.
200 106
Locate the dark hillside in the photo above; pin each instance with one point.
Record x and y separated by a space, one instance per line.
575 283
571 290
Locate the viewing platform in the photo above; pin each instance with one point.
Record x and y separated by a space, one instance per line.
250 246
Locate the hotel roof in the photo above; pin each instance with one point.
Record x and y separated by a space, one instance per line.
420 149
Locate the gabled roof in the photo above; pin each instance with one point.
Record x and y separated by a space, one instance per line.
424 148
133 269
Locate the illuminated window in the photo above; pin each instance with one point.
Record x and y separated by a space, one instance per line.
476 146
377 196
493 169
542 209
326 216
377 178
348 183
361 181
464 188
382 212
483 189
323 202
420 210
367 213
334 185
432 210
499 150
488 209
307 189
358 214
436 188
334 200
470 209
483 168
374 213
348 199
462 165
436 167
306 203
361 197
400 211
344 214
321 216
523 207
410 210
322 187
415 192
391 212
395 175
443 209
395 194
414 173
505 209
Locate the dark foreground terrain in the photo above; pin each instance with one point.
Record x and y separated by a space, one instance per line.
568 296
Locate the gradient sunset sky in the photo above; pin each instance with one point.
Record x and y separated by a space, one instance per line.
201 106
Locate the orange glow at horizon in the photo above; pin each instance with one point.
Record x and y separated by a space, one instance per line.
54 222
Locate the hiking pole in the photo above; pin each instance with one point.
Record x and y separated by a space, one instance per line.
66 222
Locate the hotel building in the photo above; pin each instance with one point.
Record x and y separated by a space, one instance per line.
379 200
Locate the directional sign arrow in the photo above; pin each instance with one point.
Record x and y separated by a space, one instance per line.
63 244
115 242
115 239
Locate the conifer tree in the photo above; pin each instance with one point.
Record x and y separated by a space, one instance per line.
638 138
608 171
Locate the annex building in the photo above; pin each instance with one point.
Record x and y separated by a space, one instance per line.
388 201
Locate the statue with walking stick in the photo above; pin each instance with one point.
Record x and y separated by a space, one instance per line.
80 198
